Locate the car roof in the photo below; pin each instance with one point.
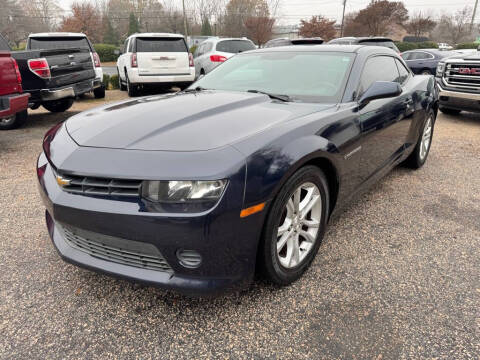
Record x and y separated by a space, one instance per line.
58 34
329 48
365 38
218 39
173 35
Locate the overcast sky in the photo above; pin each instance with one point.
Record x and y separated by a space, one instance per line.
291 11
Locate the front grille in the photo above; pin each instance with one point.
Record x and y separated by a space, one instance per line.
118 250
101 186
463 75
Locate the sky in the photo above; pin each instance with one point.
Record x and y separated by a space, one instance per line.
292 11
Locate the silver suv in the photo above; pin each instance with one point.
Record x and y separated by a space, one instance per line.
214 51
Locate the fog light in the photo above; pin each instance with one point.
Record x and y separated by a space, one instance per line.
189 258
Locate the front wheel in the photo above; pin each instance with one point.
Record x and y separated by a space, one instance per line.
295 226
419 155
58 105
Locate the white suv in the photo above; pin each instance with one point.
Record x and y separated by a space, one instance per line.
155 59
212 52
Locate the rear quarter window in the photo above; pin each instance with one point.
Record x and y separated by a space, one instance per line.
161 45
235 46
51 43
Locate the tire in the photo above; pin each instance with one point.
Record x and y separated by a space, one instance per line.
57 106
420 154
449 111
273 263
132 90
425 72
99 93
121 85
14 121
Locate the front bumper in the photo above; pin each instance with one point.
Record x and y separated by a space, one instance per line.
136 78
226 242
458 99
12 104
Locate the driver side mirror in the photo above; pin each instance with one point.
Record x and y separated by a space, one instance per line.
380 90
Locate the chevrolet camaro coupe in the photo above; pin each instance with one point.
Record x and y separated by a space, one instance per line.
197 191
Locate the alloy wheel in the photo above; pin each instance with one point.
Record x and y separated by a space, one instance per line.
426 139
299 225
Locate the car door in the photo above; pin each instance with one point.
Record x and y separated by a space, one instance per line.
382 122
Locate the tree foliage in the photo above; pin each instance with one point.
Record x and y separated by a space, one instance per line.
133 25
420 24
454 28
85 19
317 26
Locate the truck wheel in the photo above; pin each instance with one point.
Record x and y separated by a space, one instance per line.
58 105
14 121
121 85
99 93
449 111
132 89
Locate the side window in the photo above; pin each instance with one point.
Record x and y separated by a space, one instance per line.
125 46
208 47
378 68
403 72
406 55
131 45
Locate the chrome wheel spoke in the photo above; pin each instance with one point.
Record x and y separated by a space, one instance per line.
296 199
311 223
308 236
283 240
311 203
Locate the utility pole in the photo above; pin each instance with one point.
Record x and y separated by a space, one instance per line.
343 16
473 15
185 20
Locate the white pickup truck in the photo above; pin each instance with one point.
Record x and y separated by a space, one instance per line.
155 59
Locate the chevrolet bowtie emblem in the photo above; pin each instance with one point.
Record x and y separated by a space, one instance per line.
62 181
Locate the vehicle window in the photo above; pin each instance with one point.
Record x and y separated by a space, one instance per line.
131 45
4 44
60 42
161 45
420 55
200 49
235 46
403 72
378 68
304 76
406 55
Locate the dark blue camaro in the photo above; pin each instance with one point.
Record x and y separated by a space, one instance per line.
195 191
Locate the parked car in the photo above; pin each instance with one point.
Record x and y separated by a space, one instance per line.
155 59
13 102
214 51
424 61
458 81
287 42
64 40
373 40
239 177
444 46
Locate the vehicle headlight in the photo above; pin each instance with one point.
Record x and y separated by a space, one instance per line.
440 68
184 196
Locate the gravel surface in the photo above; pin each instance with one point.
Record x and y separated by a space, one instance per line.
397 277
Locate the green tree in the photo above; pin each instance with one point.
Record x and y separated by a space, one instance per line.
133 25
206 27
111 36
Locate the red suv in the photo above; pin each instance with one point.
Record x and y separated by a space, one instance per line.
13 102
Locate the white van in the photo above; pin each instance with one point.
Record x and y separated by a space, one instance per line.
155 59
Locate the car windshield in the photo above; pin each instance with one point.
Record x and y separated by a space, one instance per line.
235 46
61 42
303 76
161 45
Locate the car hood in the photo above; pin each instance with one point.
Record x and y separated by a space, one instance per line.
473 56
182 122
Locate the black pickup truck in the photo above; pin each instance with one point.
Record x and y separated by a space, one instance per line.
54 77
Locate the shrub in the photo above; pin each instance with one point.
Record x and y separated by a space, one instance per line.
20 47
106 80
405 46
467 46
193 48
114 82
106 52
427 45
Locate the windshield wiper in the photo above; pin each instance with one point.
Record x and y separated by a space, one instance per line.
196 89
284 98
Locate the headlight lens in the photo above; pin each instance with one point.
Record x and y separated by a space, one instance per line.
183 191
440 68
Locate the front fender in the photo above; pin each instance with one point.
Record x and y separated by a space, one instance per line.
269 168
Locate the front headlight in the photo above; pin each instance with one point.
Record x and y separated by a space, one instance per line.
440 69
184 196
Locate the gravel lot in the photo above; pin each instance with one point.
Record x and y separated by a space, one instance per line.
397 277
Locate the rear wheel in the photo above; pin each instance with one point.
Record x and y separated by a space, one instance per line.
132 89
419 155
99 93
425 72
121 85
295 226
450 111
58 105
13 121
